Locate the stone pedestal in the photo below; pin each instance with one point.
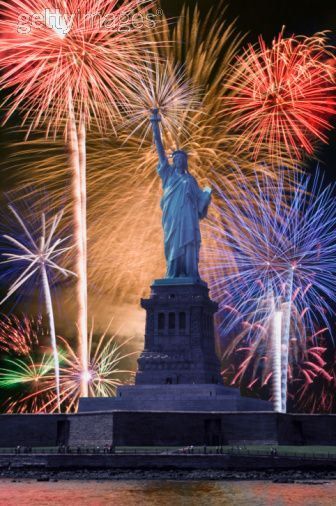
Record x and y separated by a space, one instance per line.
178 370
179 338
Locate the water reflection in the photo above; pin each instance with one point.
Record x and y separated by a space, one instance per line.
158 493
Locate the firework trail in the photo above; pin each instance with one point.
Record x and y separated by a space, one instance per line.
38 257
284 94
27 367
276 332
275 249
66 72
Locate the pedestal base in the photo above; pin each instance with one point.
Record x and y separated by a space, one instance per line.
179 339
179 398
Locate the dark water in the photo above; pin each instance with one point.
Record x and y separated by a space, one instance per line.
158 493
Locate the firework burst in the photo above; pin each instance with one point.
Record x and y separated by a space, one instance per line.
38 257
27 367
27 376
61 51
285 95
314 381
274 252
105 372
166 89
33 380
17 335
249 364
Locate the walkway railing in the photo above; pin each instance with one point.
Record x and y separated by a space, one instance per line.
190 450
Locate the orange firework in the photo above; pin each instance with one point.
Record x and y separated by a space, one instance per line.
282 95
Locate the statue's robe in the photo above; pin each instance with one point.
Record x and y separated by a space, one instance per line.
183 205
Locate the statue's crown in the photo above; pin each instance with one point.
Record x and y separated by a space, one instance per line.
180 152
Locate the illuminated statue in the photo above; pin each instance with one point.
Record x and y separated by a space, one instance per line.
183 205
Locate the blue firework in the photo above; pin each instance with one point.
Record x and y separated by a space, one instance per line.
273 249
277 239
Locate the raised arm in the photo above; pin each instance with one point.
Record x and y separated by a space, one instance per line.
155 120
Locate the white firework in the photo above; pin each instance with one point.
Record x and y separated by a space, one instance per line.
165 89
39 257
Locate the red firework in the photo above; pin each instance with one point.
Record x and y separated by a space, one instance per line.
311 370
59 55
316 381
284 95
19 336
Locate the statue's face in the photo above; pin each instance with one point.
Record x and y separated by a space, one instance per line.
181 163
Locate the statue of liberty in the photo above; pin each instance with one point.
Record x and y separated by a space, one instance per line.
183 205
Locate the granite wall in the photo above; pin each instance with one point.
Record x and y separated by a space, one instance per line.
33 430
174 429
307 429
166 429
92 429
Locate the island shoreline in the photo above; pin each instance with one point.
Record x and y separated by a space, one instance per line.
285 476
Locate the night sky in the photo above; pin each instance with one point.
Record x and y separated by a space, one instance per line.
268 16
